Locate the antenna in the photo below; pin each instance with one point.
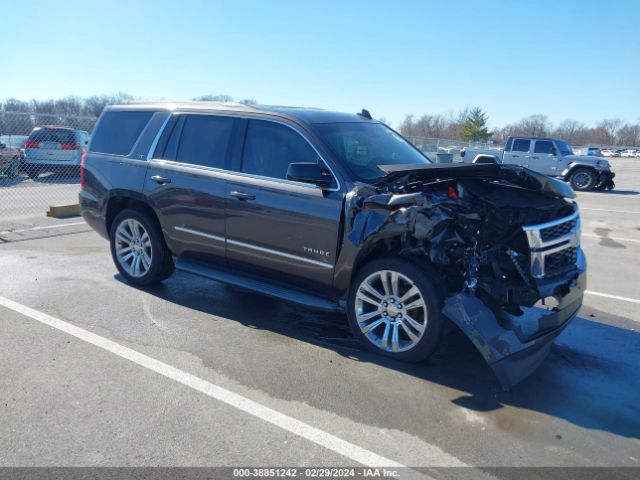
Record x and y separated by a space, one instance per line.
365 114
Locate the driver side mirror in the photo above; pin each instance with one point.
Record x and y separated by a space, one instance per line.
308 172
2 145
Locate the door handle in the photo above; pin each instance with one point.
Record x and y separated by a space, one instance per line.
243 195
161 180
535 158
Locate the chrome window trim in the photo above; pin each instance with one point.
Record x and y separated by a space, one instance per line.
205 168
279 253
154 144
199 233
338 188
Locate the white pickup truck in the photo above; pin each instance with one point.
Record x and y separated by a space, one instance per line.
550 156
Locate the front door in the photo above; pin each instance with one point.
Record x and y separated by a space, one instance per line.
277 228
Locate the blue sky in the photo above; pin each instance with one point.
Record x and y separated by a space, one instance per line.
566 59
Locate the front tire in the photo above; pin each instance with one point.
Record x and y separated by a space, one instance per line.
138 248
583 179
394 309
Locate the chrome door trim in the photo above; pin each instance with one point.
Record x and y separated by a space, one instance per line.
280 254
199 233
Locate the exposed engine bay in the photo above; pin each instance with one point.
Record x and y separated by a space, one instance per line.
474 226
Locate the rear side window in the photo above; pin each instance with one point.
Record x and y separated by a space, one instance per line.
204 140
270 148
543 146
117 132
521 145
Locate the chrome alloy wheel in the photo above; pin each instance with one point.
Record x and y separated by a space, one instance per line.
133 247
391 311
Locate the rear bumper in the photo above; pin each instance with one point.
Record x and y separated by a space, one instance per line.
514 346
92 213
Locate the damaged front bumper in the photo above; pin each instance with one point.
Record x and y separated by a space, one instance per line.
605 180
515 345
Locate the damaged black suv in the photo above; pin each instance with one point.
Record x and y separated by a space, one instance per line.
339 212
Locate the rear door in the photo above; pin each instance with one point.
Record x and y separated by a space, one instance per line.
276 228
544 158
519 154
186 186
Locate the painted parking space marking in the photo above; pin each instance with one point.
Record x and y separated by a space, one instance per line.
251 407
613 297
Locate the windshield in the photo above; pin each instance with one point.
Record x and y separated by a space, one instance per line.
364 146
564 147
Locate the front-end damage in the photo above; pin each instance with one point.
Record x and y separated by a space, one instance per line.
505 240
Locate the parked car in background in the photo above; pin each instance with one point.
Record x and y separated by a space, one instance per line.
608 153
52 148
551 156
594 152
11 159
629 152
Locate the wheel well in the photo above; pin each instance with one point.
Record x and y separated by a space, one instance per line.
578 167
387 248
117 204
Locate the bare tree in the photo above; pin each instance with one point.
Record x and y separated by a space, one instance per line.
629 135
606 131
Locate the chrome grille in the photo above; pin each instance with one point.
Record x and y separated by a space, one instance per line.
553 246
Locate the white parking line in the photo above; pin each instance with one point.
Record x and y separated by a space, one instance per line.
43 227
582 209
617 239
614 297
290 424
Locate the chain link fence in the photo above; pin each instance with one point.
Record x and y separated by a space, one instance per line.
40 157
441 149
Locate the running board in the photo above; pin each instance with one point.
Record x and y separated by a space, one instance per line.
257 285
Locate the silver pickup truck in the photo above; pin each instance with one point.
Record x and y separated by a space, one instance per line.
550 156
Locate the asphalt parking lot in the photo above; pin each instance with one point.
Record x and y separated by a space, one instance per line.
193 373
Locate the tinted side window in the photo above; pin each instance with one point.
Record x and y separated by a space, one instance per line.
117 132
521 145
205 140
270 148
543 146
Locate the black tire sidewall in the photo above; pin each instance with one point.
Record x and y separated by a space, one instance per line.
160 253
424 278
588 171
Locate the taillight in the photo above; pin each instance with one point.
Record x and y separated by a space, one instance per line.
82 160
69 146
31 144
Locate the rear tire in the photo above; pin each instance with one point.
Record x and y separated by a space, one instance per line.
404 321
138 248
583 179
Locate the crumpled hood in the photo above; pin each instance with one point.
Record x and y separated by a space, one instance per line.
514 174
587 160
